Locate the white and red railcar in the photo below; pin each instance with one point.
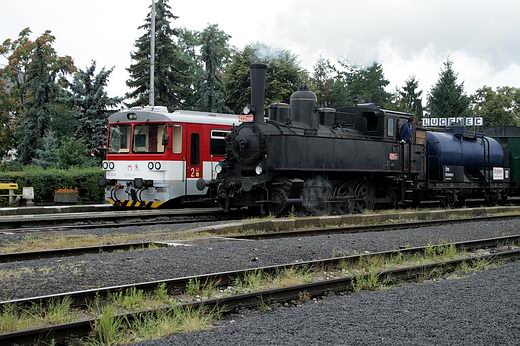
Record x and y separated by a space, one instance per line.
154 158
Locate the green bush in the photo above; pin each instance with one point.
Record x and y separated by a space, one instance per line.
45 181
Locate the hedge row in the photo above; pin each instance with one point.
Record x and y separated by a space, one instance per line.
45 181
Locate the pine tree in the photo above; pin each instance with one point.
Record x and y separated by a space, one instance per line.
173 78
47 155
447 97
215 52
44 74
92 106
409 98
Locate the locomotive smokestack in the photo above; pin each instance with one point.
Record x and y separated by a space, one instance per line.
258 72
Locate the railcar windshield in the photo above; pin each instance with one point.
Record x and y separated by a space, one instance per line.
119 141
149 138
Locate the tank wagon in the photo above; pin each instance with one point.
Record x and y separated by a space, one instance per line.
326 161
154 158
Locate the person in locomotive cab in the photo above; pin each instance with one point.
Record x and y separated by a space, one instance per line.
406 131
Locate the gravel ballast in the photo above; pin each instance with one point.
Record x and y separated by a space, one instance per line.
476 309
47 276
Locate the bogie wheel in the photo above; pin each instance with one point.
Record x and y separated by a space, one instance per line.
451 201
345 191
366 197
492 199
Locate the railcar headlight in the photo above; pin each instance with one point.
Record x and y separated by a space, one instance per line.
259 169
219 168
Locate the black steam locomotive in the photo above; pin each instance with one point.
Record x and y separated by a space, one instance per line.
324 161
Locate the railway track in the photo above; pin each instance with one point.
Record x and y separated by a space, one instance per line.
109 219
367 228
499 248
78 251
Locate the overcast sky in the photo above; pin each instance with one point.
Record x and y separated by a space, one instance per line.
406 36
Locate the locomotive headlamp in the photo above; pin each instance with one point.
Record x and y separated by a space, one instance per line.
219 168
131 116
246 110
259 169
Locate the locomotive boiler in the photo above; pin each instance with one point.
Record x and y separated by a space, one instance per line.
322 160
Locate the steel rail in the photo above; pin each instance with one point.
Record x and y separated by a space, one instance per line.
346 229
66 220
208 218
63 332
81 298
76 251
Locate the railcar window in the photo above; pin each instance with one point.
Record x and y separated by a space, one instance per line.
390 127
148 138
195 149
119 139
177 139
217 144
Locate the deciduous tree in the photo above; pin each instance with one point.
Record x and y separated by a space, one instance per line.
43 87
500 107
284 75
364 84
323 82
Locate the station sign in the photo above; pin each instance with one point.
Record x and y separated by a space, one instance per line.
442 122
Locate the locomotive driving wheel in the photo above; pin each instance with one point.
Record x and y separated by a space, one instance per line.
366 196
279 201
344 191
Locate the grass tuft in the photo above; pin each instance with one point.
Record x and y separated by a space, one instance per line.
106 329
250 281
364 281
130 299
196 288
161 292
176 320
290 277
111 330
58 311
14 317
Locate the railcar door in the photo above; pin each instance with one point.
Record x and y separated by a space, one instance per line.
177 172
193 159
